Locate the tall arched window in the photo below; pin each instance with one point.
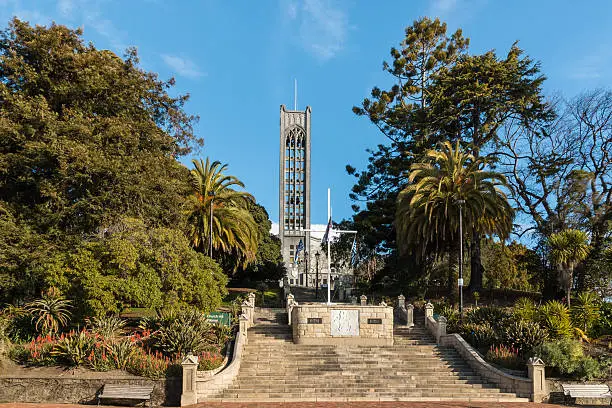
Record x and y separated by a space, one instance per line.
294 156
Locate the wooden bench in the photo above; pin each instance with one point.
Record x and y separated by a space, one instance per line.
132 392
587 393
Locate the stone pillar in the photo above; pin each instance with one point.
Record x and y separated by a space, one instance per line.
428 311
410 315
251 299
535 371
189 394
247 310
243 322
441 329
364 300
290 303
401 301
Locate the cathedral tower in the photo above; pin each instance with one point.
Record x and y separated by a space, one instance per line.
294 193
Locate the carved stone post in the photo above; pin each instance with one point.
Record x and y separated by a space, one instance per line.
243 326
247 310
364 300
428 312
189 394
401 301
290 303
410 315
251 299
441 328
535 371
383 304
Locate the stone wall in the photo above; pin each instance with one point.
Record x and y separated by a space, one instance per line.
74 390
312 324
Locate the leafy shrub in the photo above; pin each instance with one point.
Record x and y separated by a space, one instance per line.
481 336
489 315
179 332
525 309
566 357
209 360
508 357
585 310
74 348
523 335
120 352
17 324
555 318
452 315
107 327
603 325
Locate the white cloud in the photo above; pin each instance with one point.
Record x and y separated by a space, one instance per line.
182 66
321 26
65 7
440 8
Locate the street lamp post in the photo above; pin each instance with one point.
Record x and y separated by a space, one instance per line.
317 255
306 266
211 194
460 203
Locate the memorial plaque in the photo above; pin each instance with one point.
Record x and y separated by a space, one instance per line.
344 322
315 320
374 321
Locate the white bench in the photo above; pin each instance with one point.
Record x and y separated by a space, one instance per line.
586 391
132 392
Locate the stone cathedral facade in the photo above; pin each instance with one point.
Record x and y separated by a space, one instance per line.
294 193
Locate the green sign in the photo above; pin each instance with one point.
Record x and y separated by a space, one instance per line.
220 318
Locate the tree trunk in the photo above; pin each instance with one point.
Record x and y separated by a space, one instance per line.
453 263
476 269
570 279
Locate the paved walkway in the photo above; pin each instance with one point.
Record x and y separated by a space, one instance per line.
324 405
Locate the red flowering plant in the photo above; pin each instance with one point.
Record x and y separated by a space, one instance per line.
209 360
505 356
151 365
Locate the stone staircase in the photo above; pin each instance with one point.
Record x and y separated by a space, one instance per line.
414 369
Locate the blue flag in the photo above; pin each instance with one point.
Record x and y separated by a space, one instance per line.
354 251
329 227
300 247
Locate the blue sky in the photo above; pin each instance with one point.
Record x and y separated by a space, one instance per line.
238 60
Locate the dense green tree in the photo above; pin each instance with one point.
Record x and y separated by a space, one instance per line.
79 127
567 249
427 217
512 266
133 265
234 232
89 140
402 115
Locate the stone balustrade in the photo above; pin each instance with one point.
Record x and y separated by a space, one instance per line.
202 385
534 387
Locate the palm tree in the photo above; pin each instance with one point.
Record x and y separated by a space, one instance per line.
567 249
234 232
427 215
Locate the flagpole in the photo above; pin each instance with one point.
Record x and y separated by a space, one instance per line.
328 248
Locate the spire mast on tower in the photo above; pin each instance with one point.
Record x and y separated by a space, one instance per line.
295 94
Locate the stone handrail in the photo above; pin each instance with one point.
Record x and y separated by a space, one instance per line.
437 328
533 387
202 385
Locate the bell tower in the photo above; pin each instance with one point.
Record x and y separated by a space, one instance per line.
294 193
